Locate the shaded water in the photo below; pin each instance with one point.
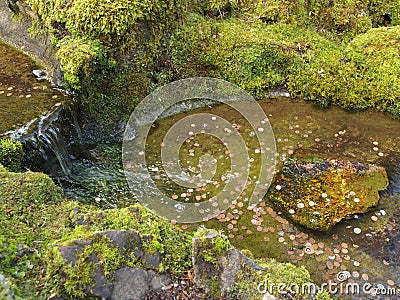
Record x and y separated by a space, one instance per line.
301 130
22 96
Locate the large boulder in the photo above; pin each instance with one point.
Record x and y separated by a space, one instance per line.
320 194
103 266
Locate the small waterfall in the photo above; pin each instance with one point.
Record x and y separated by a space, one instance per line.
52 139
75 123
43 135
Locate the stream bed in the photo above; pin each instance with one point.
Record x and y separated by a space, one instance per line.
365 248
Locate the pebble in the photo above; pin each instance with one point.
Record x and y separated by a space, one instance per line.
278 187
380 154
365 276
357 230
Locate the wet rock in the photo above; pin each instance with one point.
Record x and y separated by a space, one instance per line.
39 74
320 194
5 292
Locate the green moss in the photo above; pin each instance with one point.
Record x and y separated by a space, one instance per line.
319 195
76 57
106 48
212 252
253 284
343 18
74 279
171 243
33 213
252 55
11 154
365 75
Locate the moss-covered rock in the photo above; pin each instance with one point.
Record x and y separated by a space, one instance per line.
364 75
11 154
102 242
343 18
223 271
318 195
33 212
255 56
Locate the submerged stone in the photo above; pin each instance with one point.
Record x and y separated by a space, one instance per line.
320 194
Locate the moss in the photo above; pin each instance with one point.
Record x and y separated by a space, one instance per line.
74 279
212 252
252 55
33 213
329 191
158 237
99 43
343 18
11 154
253 284
76 57
365 75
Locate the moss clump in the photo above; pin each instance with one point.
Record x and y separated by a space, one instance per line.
343 18
33 213
99 43
11 154
212 252
76 57
277 278
158 238
252 55
319 195
364 75
76 279
171 243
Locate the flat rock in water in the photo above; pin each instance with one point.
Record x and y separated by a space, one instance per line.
320 194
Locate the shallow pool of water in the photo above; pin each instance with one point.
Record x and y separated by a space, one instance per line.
368 254
22 96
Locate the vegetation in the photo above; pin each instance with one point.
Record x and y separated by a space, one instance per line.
32 215
115 53
11 154
35 217
96 41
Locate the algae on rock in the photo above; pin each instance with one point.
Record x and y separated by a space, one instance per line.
319 195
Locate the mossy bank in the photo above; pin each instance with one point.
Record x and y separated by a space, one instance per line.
113 55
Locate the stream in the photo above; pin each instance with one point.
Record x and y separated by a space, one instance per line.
301 130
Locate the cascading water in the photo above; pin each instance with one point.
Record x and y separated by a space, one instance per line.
43 134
